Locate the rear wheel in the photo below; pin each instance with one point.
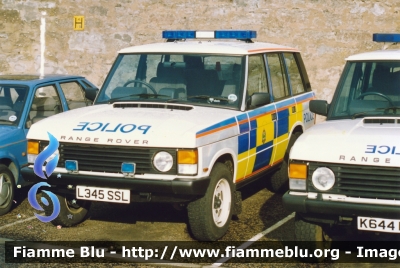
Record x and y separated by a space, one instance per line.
279 181
72 211
7 189
209 216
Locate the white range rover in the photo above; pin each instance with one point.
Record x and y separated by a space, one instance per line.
345 172
185 122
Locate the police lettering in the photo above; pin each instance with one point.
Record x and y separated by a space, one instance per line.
382 149
108 127
307 117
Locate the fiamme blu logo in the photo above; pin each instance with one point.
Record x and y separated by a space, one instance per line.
48 159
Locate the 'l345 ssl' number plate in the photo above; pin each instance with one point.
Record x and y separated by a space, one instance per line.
378 225
103 194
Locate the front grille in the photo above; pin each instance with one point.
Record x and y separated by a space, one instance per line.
362 181
101 158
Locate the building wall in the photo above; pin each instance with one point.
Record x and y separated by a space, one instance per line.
326 31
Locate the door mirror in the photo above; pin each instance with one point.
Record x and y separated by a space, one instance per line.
258 99
319 107
91 93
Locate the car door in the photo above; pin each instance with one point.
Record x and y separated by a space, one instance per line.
261 120
285 104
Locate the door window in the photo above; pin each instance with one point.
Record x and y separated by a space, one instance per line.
46 102
277 72
74 94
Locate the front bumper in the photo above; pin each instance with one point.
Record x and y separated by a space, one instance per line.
326 211
177 189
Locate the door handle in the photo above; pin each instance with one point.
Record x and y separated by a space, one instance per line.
293 109
273 116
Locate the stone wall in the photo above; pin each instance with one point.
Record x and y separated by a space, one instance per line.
326 31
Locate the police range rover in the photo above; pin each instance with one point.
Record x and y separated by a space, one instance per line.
185 122
344 172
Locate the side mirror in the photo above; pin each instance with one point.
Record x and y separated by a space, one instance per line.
91 93
319 107
258 99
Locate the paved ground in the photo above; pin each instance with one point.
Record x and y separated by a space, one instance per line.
263 216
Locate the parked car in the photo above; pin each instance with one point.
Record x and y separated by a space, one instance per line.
345 172
187 122
25 100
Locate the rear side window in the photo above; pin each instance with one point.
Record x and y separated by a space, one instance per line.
295 78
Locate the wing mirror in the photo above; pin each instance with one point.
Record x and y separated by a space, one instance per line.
91 93
258 99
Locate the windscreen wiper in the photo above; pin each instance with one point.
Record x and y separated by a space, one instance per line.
208 97
143 95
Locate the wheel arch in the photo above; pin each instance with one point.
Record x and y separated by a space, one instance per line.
227 158
297 128
12 166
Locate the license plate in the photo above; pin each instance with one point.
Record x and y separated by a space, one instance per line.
378 225
103 194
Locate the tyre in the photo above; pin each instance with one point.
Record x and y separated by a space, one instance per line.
72 211
312 236
279 181
209 216
7 189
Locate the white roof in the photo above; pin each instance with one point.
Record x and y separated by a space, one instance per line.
207 47
390 54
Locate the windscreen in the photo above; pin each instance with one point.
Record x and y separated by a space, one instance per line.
369 88
206 80
12 103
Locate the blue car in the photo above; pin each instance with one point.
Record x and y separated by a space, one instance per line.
24 100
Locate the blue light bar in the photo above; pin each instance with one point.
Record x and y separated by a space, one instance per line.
219 34
386 37
235 34
179 34
71 165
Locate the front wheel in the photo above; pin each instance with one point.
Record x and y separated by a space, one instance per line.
72 211
311 235
7 187
209 216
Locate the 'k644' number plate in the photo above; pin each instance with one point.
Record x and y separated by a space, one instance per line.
378 225
103 194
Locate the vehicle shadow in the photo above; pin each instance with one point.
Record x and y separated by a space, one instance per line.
137 212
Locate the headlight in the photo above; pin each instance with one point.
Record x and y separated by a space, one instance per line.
163 161
323 178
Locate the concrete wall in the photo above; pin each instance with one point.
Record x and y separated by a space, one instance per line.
326 31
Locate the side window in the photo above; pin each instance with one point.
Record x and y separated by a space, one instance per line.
257 80
74 94
296 80
46 102
278 77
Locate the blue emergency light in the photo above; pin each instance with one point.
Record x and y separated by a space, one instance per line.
386 37
128 168
71 166
219 34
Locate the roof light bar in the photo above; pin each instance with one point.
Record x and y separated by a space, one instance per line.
219 34
386 37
